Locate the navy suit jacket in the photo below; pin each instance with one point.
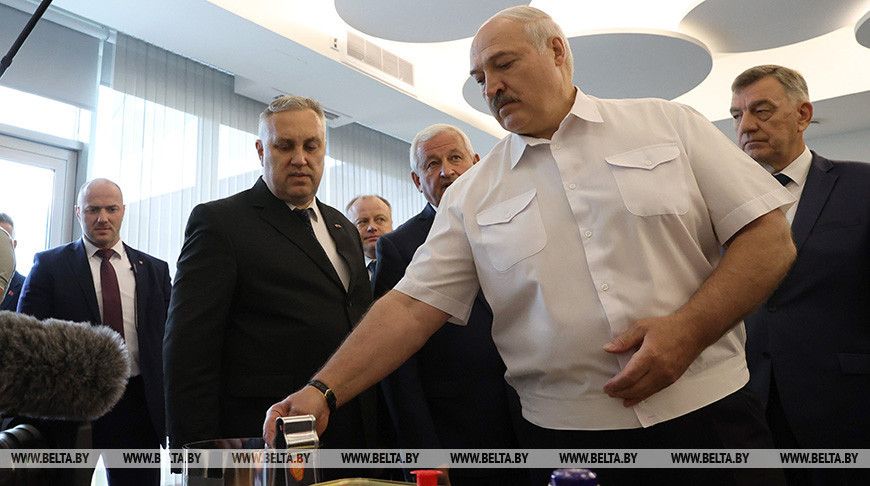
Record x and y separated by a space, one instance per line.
257 308
10 303
813 334
60 285
452 392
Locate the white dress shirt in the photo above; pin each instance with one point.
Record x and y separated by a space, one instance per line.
127 286
797 171
619 217
326 242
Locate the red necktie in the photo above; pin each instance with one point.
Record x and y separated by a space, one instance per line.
112 315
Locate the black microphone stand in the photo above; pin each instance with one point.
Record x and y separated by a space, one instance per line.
7 59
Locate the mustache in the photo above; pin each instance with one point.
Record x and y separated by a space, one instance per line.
500 99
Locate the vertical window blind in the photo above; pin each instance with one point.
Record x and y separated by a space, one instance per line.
173 133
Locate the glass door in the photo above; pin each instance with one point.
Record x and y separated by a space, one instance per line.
37 190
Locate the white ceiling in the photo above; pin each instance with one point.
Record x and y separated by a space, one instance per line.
687 50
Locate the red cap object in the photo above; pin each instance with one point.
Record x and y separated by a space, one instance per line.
427 477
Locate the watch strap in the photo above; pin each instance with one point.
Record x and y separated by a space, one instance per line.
327 393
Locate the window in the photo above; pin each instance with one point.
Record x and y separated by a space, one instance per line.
32 112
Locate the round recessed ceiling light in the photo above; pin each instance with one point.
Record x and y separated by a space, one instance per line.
750 25
420 20
862 30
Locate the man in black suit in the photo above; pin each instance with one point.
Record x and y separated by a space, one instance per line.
808 346
13 290
451 394
373 217
101 280
269 283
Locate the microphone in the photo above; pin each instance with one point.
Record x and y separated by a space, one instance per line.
58 369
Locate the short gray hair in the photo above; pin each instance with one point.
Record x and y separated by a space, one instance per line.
431 131
290 103
539 28
792 82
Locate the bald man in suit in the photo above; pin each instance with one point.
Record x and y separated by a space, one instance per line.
70 282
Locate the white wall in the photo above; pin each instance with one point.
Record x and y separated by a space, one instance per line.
843 146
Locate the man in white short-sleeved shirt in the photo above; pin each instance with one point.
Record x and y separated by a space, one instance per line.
592 248
595 230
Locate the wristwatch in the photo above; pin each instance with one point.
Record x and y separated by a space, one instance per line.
327 393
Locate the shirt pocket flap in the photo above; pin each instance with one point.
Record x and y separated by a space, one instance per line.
506 210
646 157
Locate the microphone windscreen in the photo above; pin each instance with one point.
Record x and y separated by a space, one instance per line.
59 369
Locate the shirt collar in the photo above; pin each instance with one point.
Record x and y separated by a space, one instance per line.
91 249
314 214
583 108
798 169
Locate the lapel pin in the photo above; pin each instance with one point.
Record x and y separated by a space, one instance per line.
337 225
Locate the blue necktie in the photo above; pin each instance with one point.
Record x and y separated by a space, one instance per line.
783 179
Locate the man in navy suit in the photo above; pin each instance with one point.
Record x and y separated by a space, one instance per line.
72 282
269 283
13 290
452 393
808 346
373 217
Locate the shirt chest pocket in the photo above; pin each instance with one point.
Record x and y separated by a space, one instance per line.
512 230
651 180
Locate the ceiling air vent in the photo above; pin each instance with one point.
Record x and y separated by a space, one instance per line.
380 63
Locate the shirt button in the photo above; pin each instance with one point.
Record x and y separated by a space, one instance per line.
587 234
605 287
572 186
557 146
647 163
507 215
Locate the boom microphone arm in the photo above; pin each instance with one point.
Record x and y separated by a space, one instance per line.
7 59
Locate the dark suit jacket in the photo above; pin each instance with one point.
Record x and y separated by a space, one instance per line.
813 333
60 285
451 393
257 308
10 302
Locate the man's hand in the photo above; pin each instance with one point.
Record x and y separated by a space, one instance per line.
395 328
668 345
758 257
308 400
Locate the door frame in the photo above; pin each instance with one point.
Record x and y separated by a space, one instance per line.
53 153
